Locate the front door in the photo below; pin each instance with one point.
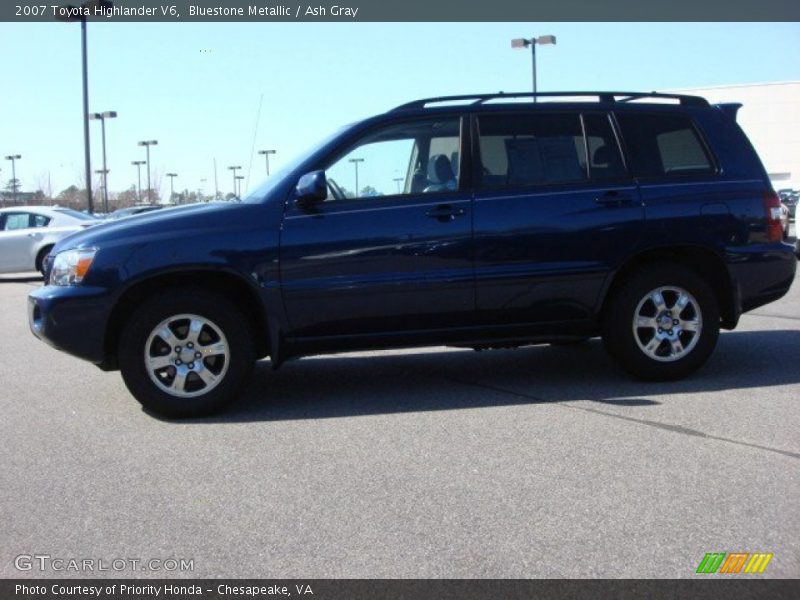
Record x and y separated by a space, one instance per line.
390 250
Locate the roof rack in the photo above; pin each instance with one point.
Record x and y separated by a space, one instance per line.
606 97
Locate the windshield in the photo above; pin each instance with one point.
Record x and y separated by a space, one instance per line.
75 214
266 186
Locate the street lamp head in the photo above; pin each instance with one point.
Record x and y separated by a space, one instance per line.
234 168
149 143
266 151
13 157
545 39
356 160
137 162
520 43
110 114
172 174
95 116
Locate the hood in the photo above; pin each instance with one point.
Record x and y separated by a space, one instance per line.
158 225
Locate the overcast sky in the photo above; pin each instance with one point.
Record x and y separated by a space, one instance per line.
196 88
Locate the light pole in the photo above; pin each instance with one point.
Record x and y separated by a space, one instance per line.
14 158
266 154
239 178
532 42
355 162
109 114
172 177
103 173
397 180
138 164
77 13
234 169
147 144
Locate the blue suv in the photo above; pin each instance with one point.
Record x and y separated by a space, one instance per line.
476 221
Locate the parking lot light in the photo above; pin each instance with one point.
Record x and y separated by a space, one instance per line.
234 169
147 144
172 177
266 154
519 43
138 164
14 184
355 162
109 114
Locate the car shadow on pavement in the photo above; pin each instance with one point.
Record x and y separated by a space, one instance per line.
29 278
356 385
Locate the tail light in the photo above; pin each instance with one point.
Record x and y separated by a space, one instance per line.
772 207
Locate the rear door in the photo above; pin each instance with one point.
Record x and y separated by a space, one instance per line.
555 212
390 249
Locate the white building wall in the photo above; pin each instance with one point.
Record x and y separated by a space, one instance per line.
770 116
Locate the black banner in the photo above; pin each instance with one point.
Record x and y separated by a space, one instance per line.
394 589
399 10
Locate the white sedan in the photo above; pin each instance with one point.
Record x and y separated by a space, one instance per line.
28 233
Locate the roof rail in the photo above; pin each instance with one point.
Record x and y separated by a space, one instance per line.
607 97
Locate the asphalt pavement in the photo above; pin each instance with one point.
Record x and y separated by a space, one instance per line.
536 462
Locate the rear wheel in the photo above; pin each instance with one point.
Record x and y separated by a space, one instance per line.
186 353
663 323
41 258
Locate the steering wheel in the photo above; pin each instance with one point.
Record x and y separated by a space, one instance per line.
335 190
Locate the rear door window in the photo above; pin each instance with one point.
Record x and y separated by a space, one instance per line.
664 145
531 149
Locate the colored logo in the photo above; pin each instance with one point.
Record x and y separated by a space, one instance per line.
734 562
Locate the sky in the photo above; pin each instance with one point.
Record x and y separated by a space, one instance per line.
225 90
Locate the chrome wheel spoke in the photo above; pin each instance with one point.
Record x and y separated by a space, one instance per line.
179 382
214 349
159 362
206 376
658 300
646 322
681 302
691 326
195 328
166 335
676 347
653 345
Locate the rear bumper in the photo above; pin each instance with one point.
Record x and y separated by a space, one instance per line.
761 274
72 319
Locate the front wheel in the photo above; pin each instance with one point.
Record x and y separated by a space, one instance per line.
186 353
663 323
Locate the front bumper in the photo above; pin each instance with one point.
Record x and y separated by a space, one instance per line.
72 319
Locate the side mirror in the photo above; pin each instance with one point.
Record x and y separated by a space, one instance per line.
312 187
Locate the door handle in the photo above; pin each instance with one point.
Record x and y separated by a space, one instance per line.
445 212
614 198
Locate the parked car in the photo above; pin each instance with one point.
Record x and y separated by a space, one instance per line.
790 198
134 210
28 233
785 220
650 223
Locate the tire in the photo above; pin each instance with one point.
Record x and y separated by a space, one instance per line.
659 347
168 378
41 257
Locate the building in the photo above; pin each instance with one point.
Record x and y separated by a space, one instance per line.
770 116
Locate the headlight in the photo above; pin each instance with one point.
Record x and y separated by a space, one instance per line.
70 267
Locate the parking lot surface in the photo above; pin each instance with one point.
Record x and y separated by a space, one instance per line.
536 462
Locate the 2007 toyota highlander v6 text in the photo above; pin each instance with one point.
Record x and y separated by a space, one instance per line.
478 221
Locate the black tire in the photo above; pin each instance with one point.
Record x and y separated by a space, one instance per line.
623 341
41 257
235 367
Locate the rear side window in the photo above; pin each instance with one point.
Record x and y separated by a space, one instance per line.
522 150
605 161
663 145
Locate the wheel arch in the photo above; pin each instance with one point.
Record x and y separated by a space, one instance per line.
704 261
229 285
